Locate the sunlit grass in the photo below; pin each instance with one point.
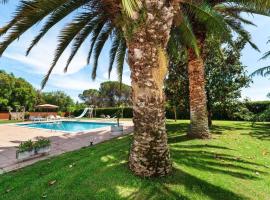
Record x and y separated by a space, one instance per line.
235 164
9 121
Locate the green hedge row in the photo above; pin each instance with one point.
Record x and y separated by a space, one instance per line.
254 107
127 112
257 106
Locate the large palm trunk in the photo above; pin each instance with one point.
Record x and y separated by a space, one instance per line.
149 154
197 94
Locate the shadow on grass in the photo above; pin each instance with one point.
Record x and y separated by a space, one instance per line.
260 131
101 172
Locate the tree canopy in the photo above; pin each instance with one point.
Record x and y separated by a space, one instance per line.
110 94
224 72
16 92
58 98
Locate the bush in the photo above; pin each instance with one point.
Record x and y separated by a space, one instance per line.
263 116
127 112
41 143
257 107
26 115
59 113
240 112
26 146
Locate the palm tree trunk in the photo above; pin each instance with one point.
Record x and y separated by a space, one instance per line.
197 94
149 154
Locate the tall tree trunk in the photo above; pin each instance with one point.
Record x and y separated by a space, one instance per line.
209 109
210 123
197 94
149 154
175 115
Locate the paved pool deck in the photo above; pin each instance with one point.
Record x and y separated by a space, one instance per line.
11 136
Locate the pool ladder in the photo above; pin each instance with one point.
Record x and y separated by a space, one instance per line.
58 124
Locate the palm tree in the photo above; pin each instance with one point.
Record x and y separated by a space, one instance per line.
141 27
264 71
194 23
217 18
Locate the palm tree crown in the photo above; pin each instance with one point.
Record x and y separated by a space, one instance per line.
104 19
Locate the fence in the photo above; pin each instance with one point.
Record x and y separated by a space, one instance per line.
6 115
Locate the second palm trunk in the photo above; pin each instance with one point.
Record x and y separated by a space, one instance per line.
197 95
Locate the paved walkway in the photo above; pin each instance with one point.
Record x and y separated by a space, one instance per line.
11 136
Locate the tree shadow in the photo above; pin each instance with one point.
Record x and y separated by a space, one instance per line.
260 131
101 172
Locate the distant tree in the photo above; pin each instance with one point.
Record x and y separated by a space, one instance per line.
58 98
16 92
91 97
225 76
113 93
176 84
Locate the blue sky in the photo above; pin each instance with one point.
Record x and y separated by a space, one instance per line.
34 67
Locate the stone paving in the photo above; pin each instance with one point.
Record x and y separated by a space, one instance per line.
11 136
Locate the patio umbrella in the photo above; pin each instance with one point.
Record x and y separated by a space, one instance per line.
47 106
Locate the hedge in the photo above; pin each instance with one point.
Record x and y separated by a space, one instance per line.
127 112
255 107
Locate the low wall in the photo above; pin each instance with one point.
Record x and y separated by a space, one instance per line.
5 115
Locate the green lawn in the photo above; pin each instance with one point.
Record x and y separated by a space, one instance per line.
8 121
235 164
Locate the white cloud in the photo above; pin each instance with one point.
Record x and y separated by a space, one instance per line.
73 83
41 56
114 75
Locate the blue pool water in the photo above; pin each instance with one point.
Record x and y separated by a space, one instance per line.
68 126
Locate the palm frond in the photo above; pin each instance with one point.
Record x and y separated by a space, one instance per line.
102 38
185 33
130 7
80 38
212 20
65 38
27 14
120 59
113 51
237 28
265 55
95 33
264 71
56 16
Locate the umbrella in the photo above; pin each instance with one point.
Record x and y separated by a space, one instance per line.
48 106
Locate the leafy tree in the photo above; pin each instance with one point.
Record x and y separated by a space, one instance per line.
16 92
176 84
263 116
225 75
58 98
110 94
219 18
90 97
113 93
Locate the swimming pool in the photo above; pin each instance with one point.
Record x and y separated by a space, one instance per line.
68 126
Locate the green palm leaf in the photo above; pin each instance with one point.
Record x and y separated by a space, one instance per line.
131 6
264 71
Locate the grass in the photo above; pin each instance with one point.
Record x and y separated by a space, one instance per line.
235 164
9 121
